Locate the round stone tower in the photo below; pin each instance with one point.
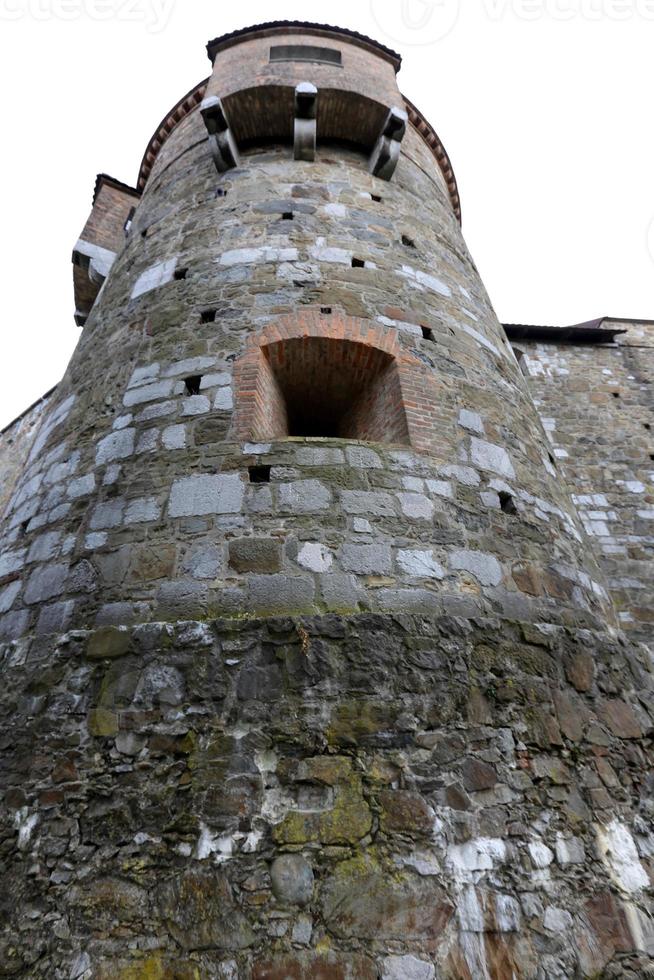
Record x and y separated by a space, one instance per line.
308 669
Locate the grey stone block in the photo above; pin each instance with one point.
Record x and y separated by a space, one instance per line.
224 400
82 577
304 497
416 506
368 503
488 456
281 593
143 374
13 625
189 366
204 562
45 546
107 514
485 568
12 561
341 592
155 276
470 420
315 557
367 559
148 441
82 486
55 618
255 554
420 564
142 510
117 445
45 583
174 437
195 405
148 393
464 474
8 595
410 600
292 879
206 494
122 613
319 456
407 968
183 599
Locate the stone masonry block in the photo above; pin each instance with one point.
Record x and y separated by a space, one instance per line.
367 559
304 497
117 445
206 494
255 554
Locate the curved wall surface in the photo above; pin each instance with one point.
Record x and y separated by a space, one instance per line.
310 671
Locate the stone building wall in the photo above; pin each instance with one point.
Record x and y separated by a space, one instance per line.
597 407
277 705
15 443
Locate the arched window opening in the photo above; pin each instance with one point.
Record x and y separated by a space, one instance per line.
318 387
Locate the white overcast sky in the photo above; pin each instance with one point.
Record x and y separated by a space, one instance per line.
544 107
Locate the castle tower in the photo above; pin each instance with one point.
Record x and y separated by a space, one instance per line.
308 667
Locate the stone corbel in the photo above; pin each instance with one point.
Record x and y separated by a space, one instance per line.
306 105
223 146
385 156
94 260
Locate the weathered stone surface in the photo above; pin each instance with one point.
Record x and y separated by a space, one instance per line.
255 555
206 494
311 966
199 909
292 879
364 902
407 968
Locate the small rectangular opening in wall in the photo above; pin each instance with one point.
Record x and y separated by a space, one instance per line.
377 197
507 503
427 333
208 316
409 242
180 274
221 192
192 384
326 310
287 216
259 474
358 263
306 52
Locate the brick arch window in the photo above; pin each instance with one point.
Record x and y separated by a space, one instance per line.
320 386
312 376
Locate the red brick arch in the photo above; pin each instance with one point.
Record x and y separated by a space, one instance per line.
309 367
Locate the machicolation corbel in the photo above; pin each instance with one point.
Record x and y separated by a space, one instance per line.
306 106
223 146
385 156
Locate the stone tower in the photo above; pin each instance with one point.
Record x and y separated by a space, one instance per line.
309 670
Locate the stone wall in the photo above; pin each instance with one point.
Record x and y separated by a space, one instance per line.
333 797
307 707
597 407
15 443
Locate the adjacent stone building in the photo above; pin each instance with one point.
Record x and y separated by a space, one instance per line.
325 598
